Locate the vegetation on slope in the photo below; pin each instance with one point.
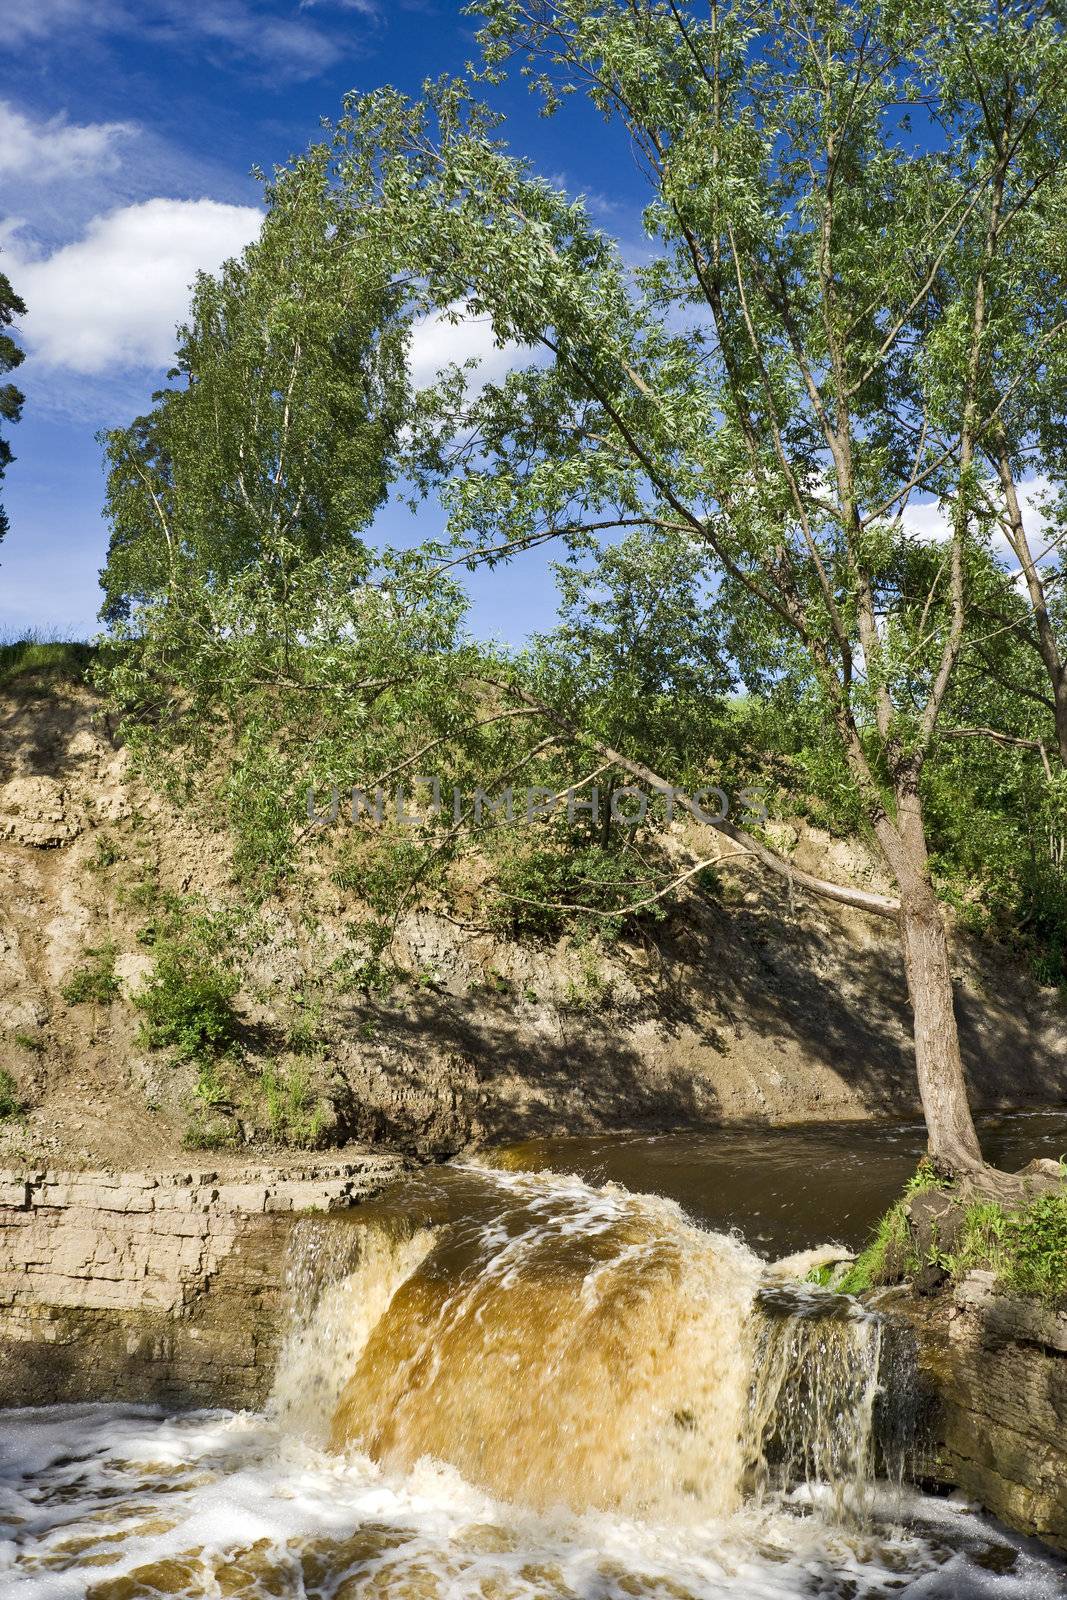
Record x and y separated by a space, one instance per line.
724 444
1024 1246
35 655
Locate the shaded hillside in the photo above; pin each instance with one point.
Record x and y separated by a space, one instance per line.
742 1008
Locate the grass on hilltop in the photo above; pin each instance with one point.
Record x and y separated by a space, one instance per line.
35 652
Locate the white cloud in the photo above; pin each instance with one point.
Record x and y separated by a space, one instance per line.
366 8
44 19
56 147
928 521
437 340
288 46
112 298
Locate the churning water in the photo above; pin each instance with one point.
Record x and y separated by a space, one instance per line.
508 1385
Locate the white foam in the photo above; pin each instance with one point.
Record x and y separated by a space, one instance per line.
218 1483
246 1481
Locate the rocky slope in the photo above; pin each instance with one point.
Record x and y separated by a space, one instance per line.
747 1008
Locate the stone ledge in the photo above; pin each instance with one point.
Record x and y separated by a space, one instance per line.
1007 1319
331 1185
995 1370
158 1286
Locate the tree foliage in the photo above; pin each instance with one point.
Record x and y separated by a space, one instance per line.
259 644
11 356
851 298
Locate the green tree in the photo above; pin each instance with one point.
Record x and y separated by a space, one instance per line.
273 446
259 644
809 346
11 356
639 654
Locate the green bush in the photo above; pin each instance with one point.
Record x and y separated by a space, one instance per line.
95 981
10 1100
1027 1248
1037 1248
105 853
209 1133
294 1115
886 1258
187 1002
545 889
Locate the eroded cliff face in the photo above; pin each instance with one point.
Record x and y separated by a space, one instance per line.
165 1287
755 1006
994 1371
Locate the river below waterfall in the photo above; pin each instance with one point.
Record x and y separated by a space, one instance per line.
502 1381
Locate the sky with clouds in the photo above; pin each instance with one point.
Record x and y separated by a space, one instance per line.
128 131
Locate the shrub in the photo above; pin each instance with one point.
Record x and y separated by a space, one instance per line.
1037 1248
95 981
10 1100
209 1133
105 853
305 1030
294 1115
187 1002
542 890
1027 1249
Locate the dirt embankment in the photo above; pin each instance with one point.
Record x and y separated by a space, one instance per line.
751 1008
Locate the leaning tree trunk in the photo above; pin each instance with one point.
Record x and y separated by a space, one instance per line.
952 1140
938 1064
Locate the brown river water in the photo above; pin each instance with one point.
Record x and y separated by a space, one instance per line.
783 1189
561 1372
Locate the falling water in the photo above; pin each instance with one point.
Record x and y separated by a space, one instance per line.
559 1343
340 1282
510 1386
816 1362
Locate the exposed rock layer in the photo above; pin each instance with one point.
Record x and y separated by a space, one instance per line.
170 1288
165 1288
995 1369
749 1005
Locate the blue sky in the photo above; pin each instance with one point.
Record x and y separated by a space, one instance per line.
128 129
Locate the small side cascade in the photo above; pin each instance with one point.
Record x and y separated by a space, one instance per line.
831 1401
340 1279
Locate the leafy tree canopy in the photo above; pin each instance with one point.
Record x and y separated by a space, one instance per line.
11 356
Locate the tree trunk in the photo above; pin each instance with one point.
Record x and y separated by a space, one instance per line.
950 1127
952 1140
1047 643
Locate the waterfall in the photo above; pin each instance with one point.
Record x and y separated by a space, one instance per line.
340 1279
816 1362
563 1344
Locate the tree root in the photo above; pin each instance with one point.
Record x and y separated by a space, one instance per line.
1012 1190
